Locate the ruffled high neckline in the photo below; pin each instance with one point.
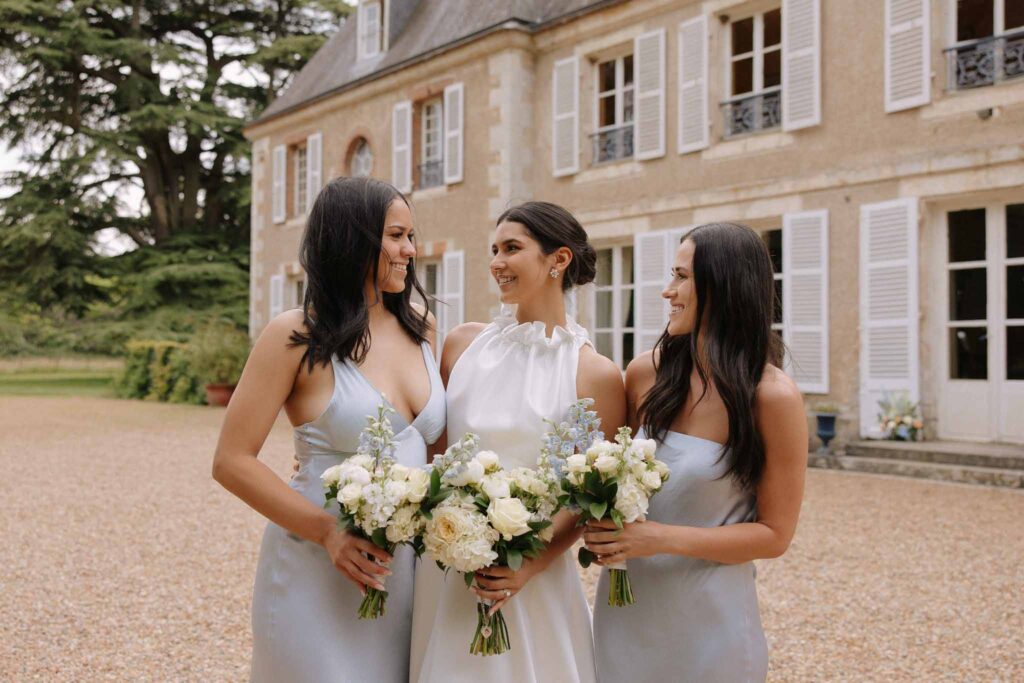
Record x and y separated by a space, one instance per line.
534 333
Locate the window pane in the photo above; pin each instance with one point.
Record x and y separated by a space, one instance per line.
777 304
743 76
603 344
607 109
626 307
627 107
773 238
773 68
607 76
743 36
627 265
603 312
627 349
967 235
1014 292
968 353
1013 15
627 68
1015 229
604 267
967 294
772 27
430 285
1015 352
974 19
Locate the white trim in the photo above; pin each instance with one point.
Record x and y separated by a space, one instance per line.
314 168
279 159
453 136
697 28
649 95
276 296
566 122
800 59
618 328
921 20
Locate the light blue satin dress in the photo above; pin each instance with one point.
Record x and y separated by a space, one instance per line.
304 611
693 620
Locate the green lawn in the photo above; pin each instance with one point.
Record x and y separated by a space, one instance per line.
58 382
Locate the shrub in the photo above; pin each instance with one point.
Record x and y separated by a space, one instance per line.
158 371
217 353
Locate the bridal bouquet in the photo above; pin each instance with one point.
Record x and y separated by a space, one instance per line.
606 480
378 498
485 516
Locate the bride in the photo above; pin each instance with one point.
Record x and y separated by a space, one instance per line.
503 380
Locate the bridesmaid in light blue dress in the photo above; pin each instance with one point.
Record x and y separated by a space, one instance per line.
731 427
358 341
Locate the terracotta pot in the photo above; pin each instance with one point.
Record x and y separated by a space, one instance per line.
219 394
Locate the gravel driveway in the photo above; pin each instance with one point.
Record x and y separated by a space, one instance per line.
122 560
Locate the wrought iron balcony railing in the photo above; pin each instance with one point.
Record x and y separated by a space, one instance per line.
612 144
976 63
751 113
431 174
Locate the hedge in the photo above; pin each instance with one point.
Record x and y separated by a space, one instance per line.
159 371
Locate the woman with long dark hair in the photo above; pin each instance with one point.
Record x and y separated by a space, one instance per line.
356 341
731 427
504 379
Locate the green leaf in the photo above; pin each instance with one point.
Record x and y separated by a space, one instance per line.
515 559
598 509
379 537
616 517
585 557
468 578
435 482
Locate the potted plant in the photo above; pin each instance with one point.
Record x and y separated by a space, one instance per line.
825 414
900 418
217 354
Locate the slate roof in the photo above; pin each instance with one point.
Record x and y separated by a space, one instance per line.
417 28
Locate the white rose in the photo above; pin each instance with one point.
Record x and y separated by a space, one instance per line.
350 494
399 472
359 460
646 447
470 473
509 516
606 463
577 462
599 448
355 475
652 480
631 502
331 476
661 468
489 459
419 484
575 478
496 486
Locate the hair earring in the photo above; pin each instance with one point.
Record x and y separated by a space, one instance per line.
553 273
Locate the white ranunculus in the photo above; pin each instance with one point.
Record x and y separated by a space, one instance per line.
350 495
496 486
419 484
646 447
331 476
606 463
509 516
631 502
469 473
489 459
577 462
652 480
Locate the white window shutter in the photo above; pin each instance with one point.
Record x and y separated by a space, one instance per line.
889 350
276 295
277 189
801 64
693 84
565 123
651 266
314 168
907 54
453 136
805 298
401 146
649 61
453 279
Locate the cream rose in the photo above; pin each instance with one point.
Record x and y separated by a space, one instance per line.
606 463
652 480
496 486
419 484
646 447
350 495
509 516
577 462
489 459
469 473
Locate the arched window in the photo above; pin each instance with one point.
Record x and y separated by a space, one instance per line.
360 159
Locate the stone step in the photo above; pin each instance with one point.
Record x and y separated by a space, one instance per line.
998 456
964 474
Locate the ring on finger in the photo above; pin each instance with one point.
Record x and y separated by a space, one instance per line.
508 593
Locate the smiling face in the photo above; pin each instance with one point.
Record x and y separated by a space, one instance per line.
681 292
520 266
398 248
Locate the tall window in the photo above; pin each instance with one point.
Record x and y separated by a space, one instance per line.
431 168
613 324
614 137
369 29
755 74
773 239
361 162
989 43
301 181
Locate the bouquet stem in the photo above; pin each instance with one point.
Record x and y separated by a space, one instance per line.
491 637
373 604
620 592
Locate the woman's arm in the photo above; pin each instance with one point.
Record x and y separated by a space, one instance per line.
779 412
598 378
265 385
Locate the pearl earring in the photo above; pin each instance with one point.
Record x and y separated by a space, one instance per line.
553 273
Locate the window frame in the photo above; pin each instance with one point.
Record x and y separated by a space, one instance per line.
370 45
617 288
425 107
758 53
355 159
301 180
618 93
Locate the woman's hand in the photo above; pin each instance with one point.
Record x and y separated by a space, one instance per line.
613 545
499 584
349 553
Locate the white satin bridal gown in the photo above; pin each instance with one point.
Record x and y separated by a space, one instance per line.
502 388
